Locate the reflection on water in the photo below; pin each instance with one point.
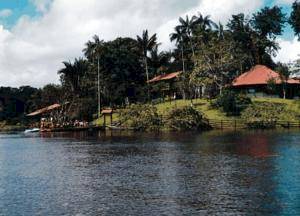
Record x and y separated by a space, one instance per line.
215 173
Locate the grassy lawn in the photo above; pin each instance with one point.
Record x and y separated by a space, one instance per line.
163 108
292 107
203 105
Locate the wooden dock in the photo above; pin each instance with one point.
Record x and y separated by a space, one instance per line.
73 129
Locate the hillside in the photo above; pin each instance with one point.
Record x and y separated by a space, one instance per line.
292 108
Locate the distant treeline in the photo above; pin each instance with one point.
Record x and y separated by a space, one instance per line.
15 103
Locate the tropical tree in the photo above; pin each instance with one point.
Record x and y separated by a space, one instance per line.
203 25
269 22
204 22
73 75
178 37
92 52
256 37
159 61
186 26
284 74
121 72
146 43
216 64
93 48
294 19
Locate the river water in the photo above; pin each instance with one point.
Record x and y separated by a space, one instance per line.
214 173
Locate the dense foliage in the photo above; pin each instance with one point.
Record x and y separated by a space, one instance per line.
14 102
231 103
263 115
140 117
186 118
295 18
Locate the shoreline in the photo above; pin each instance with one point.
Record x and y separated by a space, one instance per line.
108 129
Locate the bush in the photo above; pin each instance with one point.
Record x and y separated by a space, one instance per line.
231 103
263 115
140 117
186 118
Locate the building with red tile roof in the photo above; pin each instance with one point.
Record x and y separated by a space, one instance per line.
260 75
167 85
255 82
165 77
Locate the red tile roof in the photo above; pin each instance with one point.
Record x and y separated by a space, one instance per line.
259 75
164 77
45 110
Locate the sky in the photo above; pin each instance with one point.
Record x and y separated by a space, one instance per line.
36 36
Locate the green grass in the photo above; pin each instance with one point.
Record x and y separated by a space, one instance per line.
203 105
292 107
163 108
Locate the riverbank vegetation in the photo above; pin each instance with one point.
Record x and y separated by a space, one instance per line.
140 117
261 113
209 56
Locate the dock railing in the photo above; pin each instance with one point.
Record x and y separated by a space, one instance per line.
242 124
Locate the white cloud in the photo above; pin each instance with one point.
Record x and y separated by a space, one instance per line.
5 13
32 51
41 5
290 50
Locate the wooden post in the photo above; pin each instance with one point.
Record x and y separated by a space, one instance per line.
235 125
221 124
111 119
104 117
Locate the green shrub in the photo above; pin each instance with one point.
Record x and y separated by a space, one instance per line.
263 115
231 103
140 117
186 118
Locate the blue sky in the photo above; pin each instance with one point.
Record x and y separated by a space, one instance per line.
27 7
18 8
36 38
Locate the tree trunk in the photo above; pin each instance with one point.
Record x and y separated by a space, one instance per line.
183 63
147 75
146 68
221 90
98 87
284 92
192 46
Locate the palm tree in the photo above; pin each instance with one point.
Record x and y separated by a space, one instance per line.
73 74
91 51
203 26
146 44
159 60
220 31
187 26
204 23
92 48
178 37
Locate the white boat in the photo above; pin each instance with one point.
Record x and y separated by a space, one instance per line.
32 130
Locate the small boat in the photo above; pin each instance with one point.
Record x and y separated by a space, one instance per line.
32 130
